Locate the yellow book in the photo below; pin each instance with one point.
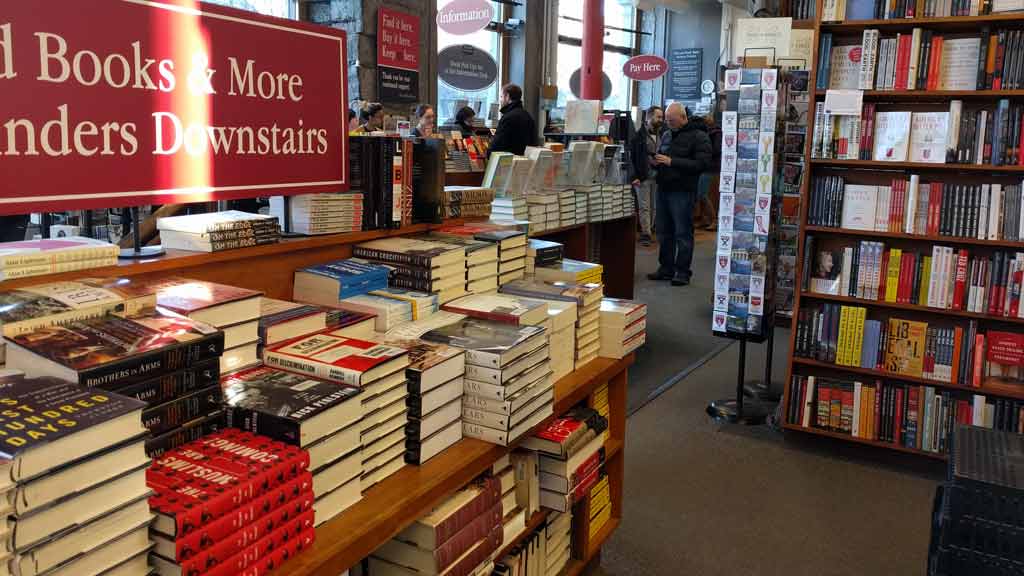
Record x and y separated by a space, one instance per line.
904 352
926 273
892 277
857 339
844 320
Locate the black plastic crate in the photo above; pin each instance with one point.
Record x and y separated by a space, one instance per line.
986 476
955 561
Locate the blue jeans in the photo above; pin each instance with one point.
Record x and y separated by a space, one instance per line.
674 225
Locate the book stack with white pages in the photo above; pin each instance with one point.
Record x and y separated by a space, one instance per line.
326 213
481 261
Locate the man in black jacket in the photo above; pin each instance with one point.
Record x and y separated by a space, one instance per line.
684 153
645 146
516 129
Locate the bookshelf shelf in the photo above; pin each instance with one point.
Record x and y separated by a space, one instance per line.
873 165
942 23
911 307
865 441
935 94
1008 244
387 508
1002 390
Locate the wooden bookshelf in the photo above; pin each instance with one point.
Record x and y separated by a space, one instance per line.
876 172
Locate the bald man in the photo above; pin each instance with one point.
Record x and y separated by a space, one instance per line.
684 152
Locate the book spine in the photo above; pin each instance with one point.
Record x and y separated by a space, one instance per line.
391 257
479 505
467 537
275 426
164 417
162 361
252 542
170 386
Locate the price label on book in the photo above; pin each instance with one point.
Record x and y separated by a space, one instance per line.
844 102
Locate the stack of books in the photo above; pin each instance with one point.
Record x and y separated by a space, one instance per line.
571 452
481 261
508 388
315 415
235 311
557 542
230 503
435 386
383 429
513 515
506 208
73 480
623 327
544 212
326 284
467 201
571 271
417 264
327 213
582 206
457 537
544 552
541 253
216 231
567 206
594 196
600 505
562 340
611 196
281 320
511 248
392 306
169 362
39 257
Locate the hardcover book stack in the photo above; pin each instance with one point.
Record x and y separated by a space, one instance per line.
481 261
509 209
327 284
74 481
169 362
511 248
320 417
600 505
435 386
513 515
467 201
508 388
325 213
230 503
623 327
281 320
457 537
38 257
392 306
423 265
541 253
562 341
544 212
235 311
588 304
571 271
216 231
748 170
379 370
571 452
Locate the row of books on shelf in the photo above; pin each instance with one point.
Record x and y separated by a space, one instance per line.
976 136
908 206
948 279
924 60
916 417
852 10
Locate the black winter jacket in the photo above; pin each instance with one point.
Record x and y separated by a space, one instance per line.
690 150
642 168
516 130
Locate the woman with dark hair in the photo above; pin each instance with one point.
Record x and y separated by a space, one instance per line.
424 121
353 121
464 120
371 119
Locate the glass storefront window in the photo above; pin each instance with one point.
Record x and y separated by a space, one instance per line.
618 47
450 99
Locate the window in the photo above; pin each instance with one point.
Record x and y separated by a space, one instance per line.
618 47
279 8
449 99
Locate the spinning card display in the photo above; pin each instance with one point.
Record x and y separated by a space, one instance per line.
746 204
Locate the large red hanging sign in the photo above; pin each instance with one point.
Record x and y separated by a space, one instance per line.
120 102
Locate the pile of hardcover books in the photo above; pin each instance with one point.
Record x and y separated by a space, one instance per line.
513 514
235 311
467 201
378 369
392 306
541 253
320 417
435 385
38 257
281 320
418 264
623 327
582 206
216 231
73 479
327 213
481 261
508 387
544 212
505 209
511 247
568 270
169 362
327 284
230 503
571 453
457 537
562 340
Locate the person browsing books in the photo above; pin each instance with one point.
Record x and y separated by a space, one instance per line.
645 146
516 129
424 121
684 153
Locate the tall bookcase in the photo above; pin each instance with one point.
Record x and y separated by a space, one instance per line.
879 173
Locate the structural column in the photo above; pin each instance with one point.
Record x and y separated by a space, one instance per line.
591 85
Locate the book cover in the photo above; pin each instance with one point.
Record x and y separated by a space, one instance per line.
859 204
480 335
336 358
186 296
892 136
212 221
905 347
25 309
500 307
958 67
409 251
928 137
582 294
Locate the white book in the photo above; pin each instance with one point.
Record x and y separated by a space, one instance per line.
994 204
859 207
911 205
892 136
869 59
856 409
979 152
844 65
928 135
853 149
883 64
983 212
882 210
915 55
933 279
808 402
890 77
844 275
950 276
953 136
958 68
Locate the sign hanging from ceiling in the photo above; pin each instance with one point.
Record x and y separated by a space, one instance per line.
466 67
122 103
645 67
462 17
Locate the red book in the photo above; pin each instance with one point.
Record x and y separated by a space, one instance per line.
499 308
586 467
249 556
581 490
878 410
337 358
901 287
846 406
979 360
288 461
958 338
934 197
198 300
902 61
1015 289
882 276
824 406
934 66
467 537
899 426
997 76
960 280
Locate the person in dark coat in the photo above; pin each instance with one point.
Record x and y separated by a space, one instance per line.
464 121
708 197
516 129
684 153
644 147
